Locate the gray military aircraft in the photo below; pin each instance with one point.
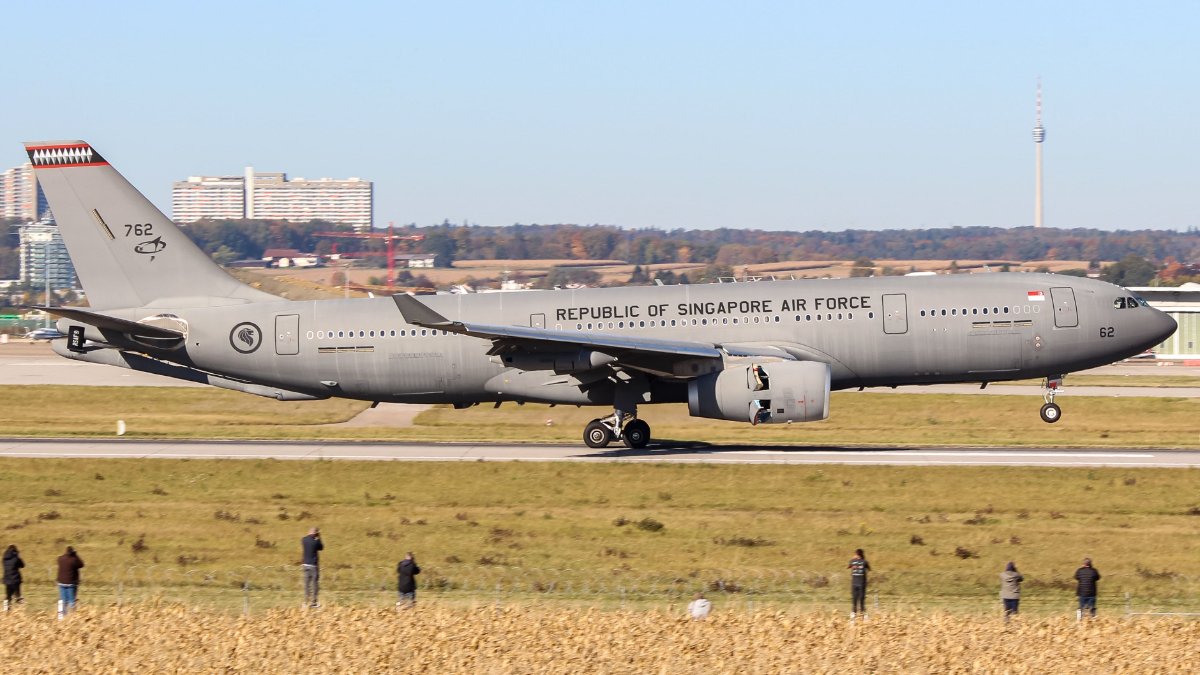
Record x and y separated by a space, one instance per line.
761 353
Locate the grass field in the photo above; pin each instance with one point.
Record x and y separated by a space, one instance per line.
856 418
604 534
542 640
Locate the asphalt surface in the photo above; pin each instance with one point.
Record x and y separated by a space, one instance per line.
23 363
681 452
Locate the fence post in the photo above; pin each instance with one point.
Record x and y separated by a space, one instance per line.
245 598
1128 604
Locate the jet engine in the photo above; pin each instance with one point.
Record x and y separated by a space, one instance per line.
763 393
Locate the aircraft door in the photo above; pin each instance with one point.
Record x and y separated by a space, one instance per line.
287 334
1065 314
895 313
537 320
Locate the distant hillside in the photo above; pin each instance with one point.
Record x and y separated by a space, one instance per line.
231 240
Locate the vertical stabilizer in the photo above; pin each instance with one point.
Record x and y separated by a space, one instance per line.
126 252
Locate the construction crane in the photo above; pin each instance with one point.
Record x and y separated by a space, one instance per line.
390 237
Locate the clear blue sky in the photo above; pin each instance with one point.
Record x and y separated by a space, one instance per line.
792 115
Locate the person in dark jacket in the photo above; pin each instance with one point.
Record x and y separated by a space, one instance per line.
406 584
1085 588
12 576
858 583
1010 589
310 562
69 564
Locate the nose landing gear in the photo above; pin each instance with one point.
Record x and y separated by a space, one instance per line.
1050 412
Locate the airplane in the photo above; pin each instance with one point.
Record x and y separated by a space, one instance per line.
43 334
766 352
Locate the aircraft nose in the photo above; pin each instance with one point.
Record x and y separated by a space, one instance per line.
1164 325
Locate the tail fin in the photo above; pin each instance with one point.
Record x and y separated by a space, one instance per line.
126 252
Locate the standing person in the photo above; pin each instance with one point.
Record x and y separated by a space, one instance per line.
1085 588
12 576
69 564
858 583
700 607
406 585
1010 589
311 546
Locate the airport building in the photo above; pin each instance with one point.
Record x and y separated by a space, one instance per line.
20 195
1183 304
272 196
42 249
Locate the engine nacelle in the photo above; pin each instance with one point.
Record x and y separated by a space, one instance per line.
763 393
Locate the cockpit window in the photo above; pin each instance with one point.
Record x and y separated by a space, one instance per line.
1140 301
1129 303
1119 303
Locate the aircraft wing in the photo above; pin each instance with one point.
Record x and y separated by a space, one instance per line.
639 352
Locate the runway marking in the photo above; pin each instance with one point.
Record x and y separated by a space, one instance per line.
949 453
896 459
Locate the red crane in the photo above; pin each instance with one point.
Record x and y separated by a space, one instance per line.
391 237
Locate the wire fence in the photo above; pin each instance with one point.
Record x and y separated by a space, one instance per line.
248 589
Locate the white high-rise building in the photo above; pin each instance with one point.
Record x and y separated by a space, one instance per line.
42 248
271 196
20 195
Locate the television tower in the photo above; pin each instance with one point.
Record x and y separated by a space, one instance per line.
1039 136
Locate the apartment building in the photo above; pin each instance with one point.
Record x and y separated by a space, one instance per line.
272 196
20 195
41 250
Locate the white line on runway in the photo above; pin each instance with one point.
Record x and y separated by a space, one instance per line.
984 453
897 460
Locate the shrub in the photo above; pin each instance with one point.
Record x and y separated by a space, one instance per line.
650 525
965 553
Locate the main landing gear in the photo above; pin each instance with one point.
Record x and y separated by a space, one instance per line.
1051 413
633 432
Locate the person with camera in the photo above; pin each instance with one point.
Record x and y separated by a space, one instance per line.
406 584
310 564
1086 579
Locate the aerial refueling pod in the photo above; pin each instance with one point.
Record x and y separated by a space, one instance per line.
763 393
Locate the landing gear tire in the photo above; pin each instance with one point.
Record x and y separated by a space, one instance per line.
1051 413
597 435
636 434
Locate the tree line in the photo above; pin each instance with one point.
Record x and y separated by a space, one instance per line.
230 240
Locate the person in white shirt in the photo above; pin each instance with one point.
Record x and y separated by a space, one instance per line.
700 607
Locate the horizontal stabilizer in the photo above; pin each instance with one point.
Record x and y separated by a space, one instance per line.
112 323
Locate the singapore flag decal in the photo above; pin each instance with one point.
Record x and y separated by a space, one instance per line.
1037 296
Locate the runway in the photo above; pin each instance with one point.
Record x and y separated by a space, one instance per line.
676 453
22 363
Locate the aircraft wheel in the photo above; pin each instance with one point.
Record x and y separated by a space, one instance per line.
1051 413
636 434
596 435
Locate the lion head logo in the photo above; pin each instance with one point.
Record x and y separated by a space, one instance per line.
245 337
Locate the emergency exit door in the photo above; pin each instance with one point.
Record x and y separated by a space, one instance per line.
287 334
895 313
1065 314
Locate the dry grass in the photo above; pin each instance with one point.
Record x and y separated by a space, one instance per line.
587 532
539 640
856 419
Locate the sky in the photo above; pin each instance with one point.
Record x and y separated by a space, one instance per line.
779 116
